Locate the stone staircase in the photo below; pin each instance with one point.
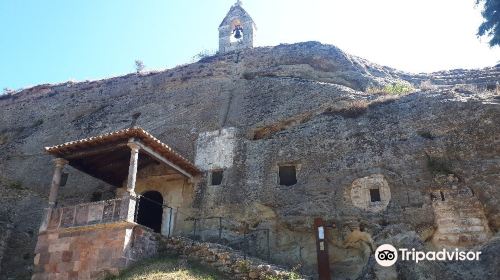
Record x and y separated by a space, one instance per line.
225 259
460 219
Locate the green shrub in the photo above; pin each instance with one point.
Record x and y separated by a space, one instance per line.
398 88
16 185
392 89
244 266
289 276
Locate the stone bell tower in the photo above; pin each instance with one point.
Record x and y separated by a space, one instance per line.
237 30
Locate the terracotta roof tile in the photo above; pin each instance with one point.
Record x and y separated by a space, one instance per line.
125 134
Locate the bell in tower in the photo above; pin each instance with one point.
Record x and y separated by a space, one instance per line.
237 30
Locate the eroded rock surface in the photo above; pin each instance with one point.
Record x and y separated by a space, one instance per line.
301 105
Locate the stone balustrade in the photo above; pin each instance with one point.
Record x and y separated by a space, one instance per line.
87 214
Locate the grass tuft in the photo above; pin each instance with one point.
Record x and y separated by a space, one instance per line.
355 109
15 185
167 268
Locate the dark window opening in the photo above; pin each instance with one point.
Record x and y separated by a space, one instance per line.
150 210
433 197
288 175
374 195
217 177
442 195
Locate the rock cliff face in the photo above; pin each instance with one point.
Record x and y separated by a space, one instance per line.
300 105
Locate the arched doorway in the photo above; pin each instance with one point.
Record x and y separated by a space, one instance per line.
150 210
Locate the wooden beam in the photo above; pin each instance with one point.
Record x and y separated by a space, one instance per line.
159 157
109 178
105 159
88 152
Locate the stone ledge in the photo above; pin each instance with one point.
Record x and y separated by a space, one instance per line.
123 224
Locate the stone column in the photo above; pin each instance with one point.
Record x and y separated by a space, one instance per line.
132 168
56 181
130 197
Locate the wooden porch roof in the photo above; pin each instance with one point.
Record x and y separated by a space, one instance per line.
107 156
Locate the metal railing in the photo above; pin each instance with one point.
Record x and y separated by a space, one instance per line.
140 198
242 243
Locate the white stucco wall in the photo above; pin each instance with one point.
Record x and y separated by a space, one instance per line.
215 149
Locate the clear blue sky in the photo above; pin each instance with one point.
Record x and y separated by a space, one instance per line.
54 41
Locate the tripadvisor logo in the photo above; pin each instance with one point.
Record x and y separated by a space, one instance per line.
387 255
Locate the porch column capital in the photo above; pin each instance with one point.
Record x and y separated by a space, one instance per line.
134 147
60 162
56 181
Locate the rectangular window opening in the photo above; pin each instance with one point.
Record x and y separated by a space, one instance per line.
374 195
287 175
216 177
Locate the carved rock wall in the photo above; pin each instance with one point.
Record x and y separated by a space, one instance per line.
460 219
299 94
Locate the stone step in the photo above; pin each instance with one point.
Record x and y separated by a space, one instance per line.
446 238
459 216
459 221
462 237
474 204
473 213
470 229
477 214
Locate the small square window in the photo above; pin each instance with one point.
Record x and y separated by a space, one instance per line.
216 177
287 175
374 195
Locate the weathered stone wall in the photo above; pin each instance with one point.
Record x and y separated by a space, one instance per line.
177 193
5 233
215 149
91 252
459 215
485 79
